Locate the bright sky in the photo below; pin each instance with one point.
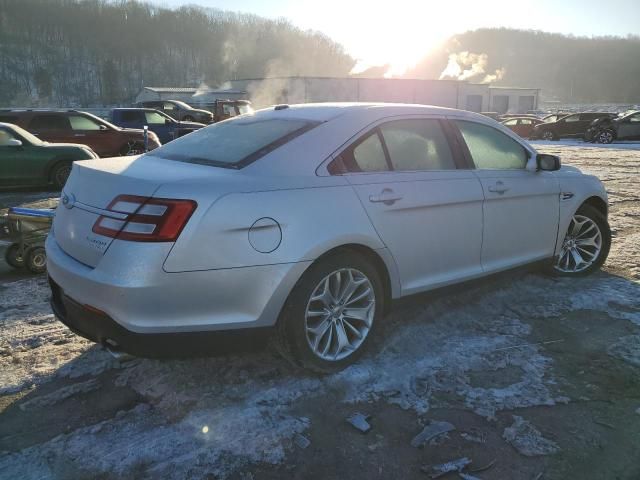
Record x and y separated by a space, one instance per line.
401 32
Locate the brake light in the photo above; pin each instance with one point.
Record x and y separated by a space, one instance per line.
144 219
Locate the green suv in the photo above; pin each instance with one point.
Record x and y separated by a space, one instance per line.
27 160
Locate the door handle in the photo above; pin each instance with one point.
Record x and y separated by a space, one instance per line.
499 187
387 196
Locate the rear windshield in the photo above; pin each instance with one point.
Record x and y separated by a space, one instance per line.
234 143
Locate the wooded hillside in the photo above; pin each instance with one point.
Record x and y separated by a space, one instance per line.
572 69
100 52
91 52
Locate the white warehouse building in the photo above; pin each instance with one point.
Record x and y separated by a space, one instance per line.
275 90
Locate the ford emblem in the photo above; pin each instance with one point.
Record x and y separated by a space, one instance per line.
68 200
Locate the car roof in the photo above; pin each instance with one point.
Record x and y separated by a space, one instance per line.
136 109
323 112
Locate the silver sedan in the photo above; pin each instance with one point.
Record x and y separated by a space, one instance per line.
309 219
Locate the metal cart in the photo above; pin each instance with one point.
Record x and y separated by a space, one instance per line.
25 230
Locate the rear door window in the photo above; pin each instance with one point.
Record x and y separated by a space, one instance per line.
235 143
368 155
415 145
587 117
129 116
490 148
49 122
364 155
6 136
79 122
154 118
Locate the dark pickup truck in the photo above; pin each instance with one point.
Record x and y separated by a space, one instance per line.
165 127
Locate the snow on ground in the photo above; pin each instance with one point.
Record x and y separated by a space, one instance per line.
618 145
34 346
215 416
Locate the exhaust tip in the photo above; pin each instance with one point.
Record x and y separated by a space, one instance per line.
113 348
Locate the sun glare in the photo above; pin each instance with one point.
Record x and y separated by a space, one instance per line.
399 37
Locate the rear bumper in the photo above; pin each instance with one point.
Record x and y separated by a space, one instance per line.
129 285
100 328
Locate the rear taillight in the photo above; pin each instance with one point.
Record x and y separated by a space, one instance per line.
143 219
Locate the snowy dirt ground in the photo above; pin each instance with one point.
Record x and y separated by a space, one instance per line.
538 375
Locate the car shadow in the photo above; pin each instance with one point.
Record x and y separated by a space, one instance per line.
48 409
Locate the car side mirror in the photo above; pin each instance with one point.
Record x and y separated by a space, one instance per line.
547 163
103 128
14 142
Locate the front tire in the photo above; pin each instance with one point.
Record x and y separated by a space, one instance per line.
586 244
606 137
548 135
132 148
332 313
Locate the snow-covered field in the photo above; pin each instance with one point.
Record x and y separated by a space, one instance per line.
527 367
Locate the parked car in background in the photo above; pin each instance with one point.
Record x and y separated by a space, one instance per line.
225 109
222 110
506 116
27 160
523 126
574 125
553 117
607 129
494 115
179 110
234 226
74 126
165 127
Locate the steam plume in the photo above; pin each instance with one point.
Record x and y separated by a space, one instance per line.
470 66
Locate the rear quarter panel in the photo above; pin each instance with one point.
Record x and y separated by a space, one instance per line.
311 221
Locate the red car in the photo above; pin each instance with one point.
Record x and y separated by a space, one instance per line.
74 126
523 126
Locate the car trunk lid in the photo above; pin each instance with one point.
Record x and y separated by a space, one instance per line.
93 186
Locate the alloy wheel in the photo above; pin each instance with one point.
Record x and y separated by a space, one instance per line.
547 135
339 314
581 247
134 149
605 137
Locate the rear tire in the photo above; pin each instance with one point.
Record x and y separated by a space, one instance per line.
354 290
36 260
60 173
132 149
586 244
549 135
12 256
